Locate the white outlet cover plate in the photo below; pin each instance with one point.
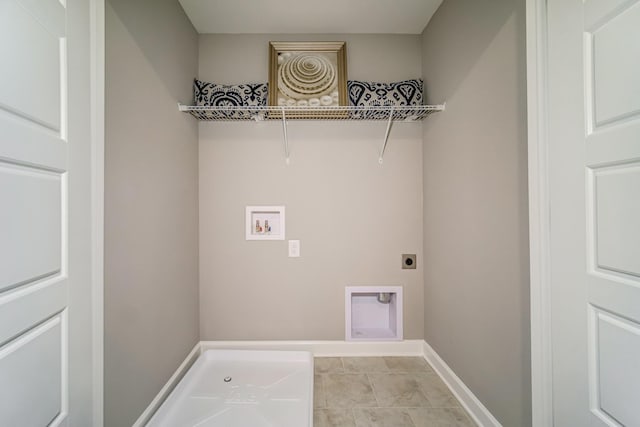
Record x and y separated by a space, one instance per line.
294 248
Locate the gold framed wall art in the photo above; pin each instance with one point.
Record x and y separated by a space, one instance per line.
308 74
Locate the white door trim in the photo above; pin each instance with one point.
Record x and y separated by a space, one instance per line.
539 207
97 58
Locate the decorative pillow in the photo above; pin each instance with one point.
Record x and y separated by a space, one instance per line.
371 94
244 95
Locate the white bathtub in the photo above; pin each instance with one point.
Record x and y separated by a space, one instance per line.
242 388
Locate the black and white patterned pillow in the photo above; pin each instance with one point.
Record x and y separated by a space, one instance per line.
243 95
373 94
407 92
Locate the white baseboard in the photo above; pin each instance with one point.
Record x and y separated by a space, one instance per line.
474 407
327 348
164 392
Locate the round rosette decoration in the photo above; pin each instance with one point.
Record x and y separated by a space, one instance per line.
306 79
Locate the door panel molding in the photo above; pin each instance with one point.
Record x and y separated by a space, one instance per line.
37 360
611 216
609 401
24 308
38 147
611 73
37 28
32 224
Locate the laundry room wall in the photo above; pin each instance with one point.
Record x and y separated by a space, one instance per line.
353 216
151 203
476 298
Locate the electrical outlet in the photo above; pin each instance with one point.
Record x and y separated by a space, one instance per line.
408 261
294 248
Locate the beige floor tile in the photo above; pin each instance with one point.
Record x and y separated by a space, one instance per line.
364 364
398 390
407 364
328 365
383 391
319 401
382 417
348 390
436 391
440 417
333 418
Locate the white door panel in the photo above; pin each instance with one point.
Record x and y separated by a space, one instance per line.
616 226
51 13
598 11
32 368
30 223
612 152
36 145
615 69
33 72
34 250
616 376
603 152
594 137
26 306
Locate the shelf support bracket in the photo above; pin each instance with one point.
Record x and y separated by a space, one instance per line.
386 137
285 137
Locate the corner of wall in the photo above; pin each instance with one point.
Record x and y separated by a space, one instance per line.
151 202
476 231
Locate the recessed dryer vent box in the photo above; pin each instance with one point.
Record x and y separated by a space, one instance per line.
373 313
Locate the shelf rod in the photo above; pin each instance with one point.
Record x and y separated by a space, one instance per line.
386 136
286 138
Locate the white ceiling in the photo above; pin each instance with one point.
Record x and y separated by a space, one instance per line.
310 16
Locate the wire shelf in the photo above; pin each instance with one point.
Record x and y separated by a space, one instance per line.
377 113
390 114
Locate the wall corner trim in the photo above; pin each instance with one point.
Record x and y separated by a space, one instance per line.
478 412
173 381
539 216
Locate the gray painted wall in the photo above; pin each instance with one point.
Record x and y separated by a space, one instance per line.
151 203
353 216
475 212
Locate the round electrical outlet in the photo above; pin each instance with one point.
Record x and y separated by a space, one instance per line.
408 261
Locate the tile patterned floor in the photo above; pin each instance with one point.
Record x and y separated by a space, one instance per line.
382 392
